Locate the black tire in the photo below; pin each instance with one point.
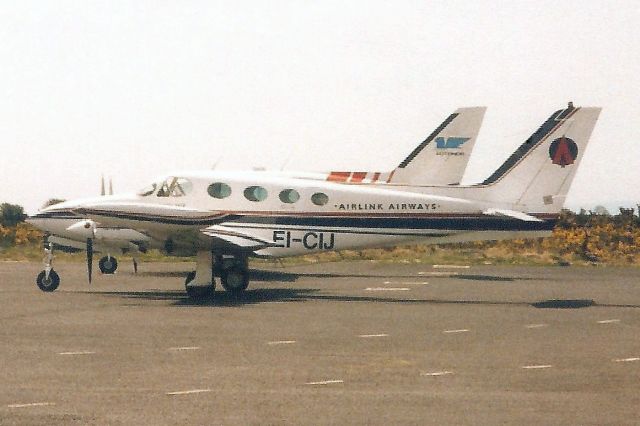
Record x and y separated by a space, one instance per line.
198 293
50 284
235 280
108 265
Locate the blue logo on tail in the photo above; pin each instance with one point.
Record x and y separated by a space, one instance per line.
451 142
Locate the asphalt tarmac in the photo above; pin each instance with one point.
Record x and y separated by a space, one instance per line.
340 343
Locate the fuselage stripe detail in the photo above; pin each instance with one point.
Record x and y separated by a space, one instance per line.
427 141
432 221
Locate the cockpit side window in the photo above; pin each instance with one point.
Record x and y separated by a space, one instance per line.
148 190
175 187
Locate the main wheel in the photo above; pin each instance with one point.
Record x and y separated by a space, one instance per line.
235 280
108 265
48 284
197 292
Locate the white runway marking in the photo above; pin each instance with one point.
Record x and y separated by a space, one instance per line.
77 353
281 342
627 359
407 282
325 382
189 392
451 266
184 348
609 321
438 274
462 330
536 367
373 335
32 404
437 373
387 289
535 325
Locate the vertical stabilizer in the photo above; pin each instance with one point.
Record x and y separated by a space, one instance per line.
538 175
442 157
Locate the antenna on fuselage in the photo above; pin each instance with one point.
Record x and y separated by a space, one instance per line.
215 165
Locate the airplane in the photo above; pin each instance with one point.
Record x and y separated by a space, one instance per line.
228 217
442 160
110 243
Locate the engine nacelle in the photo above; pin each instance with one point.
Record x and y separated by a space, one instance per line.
84 228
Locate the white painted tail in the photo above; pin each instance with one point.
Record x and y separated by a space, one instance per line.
442 158
537 176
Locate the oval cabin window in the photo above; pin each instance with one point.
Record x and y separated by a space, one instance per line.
319 199
219 190
289 196
255 193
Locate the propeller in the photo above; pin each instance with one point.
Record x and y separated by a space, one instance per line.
89 257
88 229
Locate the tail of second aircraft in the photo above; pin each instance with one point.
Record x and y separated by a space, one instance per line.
442 157
537 176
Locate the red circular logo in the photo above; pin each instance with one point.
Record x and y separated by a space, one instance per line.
563 151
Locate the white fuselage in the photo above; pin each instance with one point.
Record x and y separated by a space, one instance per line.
284 215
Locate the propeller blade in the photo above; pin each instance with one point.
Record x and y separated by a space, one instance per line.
89 257
135 266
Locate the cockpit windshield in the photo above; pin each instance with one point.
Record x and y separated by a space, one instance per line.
175 187
148 190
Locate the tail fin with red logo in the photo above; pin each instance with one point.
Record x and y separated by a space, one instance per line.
538 175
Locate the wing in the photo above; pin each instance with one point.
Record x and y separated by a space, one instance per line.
242 241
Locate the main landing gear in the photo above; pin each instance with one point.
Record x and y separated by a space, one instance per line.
233 272
108 264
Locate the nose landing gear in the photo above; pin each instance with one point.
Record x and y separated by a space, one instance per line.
48 280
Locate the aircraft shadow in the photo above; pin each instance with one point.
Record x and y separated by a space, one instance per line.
564 304
254 275
293 295
266 275
292 276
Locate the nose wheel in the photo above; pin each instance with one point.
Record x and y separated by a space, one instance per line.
48 280
48 283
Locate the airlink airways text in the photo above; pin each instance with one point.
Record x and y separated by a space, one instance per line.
391 206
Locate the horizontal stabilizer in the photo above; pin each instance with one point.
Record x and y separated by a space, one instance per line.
241 240
511 213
